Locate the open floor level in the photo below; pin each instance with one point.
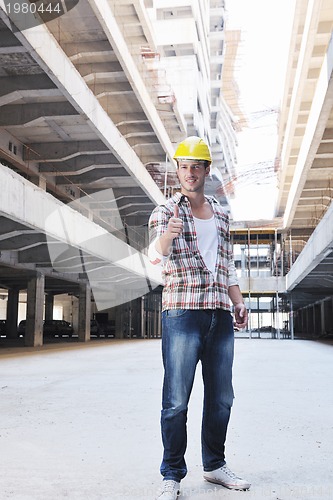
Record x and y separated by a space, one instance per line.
81 422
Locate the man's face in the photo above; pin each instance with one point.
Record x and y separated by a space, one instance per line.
192 175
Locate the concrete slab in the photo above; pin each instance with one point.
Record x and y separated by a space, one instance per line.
82 422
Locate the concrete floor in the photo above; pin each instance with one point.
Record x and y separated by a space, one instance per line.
82 422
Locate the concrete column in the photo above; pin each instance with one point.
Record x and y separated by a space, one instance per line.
119 322
12 313
302 321
35 305
322 318
317 319
329 315
143 317
84 312
49 304
309 320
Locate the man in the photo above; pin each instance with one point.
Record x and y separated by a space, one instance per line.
190 237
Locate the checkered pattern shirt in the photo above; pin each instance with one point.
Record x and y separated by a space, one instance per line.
188 283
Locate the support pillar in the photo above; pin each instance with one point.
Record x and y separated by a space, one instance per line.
12 313
143 317
35 305
49 304
119 322
322 318
84 312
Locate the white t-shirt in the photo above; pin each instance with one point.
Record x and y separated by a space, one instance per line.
207 241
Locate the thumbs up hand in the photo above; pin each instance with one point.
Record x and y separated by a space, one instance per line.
174 228
175 224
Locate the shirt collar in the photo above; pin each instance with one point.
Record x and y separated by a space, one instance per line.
179 197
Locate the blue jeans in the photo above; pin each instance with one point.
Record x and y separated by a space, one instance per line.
187 337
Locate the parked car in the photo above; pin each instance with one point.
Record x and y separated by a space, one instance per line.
56 327
51 328
96 329
110 328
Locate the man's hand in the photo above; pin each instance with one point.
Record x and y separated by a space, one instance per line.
175 225
241 315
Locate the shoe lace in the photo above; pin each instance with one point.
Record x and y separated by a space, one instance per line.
228 472
170 486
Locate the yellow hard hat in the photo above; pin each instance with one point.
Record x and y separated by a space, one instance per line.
193 148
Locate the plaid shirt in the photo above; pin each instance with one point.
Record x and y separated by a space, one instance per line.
188 283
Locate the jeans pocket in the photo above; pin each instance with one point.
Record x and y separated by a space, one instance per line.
175 313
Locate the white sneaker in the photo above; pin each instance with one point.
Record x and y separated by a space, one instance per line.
227 478
169 490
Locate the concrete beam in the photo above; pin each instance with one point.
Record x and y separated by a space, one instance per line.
7 225
136 208
22 114
99 67
120 193
29 82
328 134
92 176
18 95
38 255
132 118
114 88
137 220
80 164
103 183
129 201
60 151
8 40
136 129
318 185
78 49
13 241
13 50
321 162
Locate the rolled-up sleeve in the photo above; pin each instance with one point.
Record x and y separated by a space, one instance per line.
157 225
232 273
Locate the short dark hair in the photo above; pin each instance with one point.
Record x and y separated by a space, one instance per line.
205 162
